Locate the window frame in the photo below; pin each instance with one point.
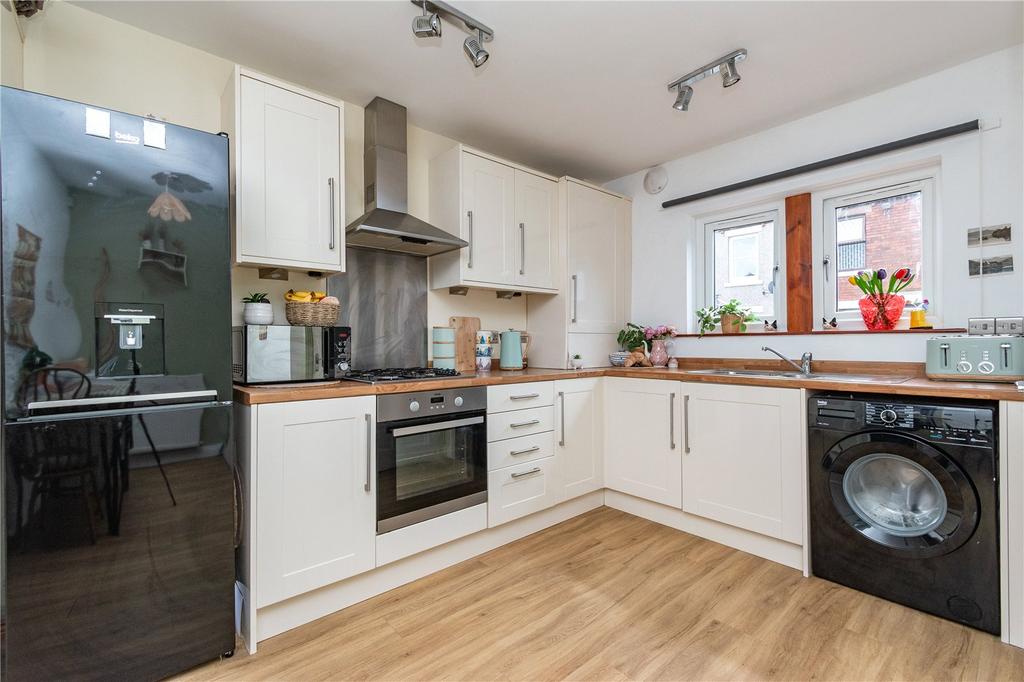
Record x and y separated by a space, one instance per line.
722 220
880 188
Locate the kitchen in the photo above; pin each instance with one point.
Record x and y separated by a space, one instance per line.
579 492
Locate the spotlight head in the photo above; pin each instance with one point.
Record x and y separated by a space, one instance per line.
683 97
473 46
427 25
730 76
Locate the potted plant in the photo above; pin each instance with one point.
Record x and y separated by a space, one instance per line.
733 316
577 361
632 337
658 336
257 309
882 304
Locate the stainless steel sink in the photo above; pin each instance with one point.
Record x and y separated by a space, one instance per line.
784 374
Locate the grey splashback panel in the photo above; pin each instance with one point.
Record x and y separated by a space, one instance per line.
384 299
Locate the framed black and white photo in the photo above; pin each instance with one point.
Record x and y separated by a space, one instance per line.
992 265
992 235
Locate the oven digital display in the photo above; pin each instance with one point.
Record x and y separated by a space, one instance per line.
437 399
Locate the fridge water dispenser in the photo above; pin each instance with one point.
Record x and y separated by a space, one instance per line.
129 339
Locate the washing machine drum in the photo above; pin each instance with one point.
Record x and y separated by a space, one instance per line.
901 493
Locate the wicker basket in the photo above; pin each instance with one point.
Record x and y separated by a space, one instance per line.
312 314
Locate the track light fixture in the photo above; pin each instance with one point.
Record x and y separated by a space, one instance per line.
683 98
725 65
428 25
474 50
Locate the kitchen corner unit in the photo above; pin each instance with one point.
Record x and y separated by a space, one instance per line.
287 175
507 213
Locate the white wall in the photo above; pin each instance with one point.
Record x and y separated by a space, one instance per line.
76 54
10 49
981 182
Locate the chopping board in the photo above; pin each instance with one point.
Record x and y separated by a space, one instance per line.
465 342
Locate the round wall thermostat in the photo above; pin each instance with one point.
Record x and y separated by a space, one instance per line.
655 180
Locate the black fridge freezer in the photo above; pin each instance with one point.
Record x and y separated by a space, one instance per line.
120 501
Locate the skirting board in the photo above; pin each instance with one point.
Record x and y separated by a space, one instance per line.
277 618
765 547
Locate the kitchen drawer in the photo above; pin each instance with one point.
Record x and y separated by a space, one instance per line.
513 451
519 490
520 423
520 396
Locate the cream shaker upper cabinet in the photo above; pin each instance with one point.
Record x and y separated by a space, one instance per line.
598 226
507 214
287 174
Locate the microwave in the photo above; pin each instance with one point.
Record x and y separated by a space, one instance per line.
281 353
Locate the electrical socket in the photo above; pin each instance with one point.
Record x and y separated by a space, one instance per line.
1013 326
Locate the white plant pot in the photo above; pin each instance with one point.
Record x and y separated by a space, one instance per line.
577 363
258 313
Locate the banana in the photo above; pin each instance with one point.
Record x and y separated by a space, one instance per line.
299 296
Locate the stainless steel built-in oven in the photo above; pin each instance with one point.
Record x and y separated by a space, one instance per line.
431 454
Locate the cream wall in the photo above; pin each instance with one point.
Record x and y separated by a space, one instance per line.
76 54
10 48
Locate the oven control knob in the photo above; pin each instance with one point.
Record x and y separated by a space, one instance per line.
888 416
986 367
964 366
414 406
458 401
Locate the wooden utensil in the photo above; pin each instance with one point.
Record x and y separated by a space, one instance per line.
465 342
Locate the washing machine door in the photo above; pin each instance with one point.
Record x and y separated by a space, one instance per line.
901 493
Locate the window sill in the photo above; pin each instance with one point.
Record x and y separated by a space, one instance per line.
820 332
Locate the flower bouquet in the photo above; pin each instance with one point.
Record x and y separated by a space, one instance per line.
882 304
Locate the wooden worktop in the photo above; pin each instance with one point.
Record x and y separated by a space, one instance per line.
915 384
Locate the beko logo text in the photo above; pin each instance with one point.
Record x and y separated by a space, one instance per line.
125 138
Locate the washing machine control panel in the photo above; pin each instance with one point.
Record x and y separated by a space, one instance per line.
889 414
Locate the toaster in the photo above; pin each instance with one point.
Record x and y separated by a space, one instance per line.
976 357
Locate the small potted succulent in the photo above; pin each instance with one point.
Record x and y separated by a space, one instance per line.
257 309
577 361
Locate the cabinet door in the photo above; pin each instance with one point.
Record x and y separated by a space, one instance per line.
643 444
579 427
535 245
520 490
315 506
598 259
488 198
289 179
743 465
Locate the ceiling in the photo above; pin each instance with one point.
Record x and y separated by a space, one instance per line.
580 87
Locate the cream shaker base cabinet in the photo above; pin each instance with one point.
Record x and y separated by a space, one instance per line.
579 425
506 213
287 173
315 506
520 490
644 437
742 457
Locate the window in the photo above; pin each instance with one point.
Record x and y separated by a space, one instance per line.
741 262
886 228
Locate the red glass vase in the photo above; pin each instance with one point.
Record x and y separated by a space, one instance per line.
881 311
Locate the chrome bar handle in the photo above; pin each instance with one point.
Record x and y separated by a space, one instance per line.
575 288
522 249
535 470
527 451
369 449
561 439
672 421
526 396
686 424
330 186
469 251
532 422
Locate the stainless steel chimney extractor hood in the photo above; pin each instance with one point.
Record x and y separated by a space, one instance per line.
387 225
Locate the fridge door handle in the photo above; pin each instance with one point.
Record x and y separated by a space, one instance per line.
179 396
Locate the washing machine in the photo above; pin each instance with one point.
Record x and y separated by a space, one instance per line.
904 502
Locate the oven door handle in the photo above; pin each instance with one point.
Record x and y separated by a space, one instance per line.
442 426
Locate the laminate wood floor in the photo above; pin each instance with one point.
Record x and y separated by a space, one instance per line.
609 596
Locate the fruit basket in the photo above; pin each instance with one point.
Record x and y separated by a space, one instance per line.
315 311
